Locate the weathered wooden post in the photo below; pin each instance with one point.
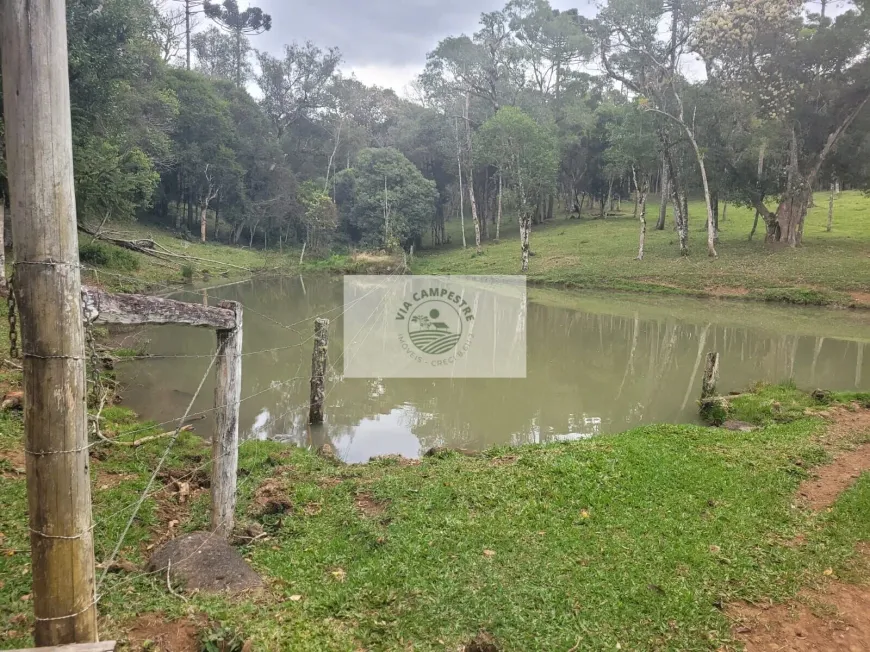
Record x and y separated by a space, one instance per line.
48 292
711 376
225 446
318 370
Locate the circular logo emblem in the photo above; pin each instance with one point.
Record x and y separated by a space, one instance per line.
435 327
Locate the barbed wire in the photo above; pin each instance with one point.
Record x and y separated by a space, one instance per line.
147 492
156 471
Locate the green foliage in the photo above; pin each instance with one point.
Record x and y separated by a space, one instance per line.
797 296
524 149
220 639
187 272
106 255
384 198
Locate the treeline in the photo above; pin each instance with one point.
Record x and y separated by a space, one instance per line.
538 111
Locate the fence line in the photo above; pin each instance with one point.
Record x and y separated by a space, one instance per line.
156 471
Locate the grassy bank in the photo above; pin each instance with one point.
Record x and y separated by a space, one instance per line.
830 269
635 540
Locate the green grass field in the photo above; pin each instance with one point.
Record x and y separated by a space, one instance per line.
829 268
633 540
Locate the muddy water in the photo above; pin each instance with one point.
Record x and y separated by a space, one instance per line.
596 364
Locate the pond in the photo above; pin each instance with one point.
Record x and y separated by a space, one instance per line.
596 364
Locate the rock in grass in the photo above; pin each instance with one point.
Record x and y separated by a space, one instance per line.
206 562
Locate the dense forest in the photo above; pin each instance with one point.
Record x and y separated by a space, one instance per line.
178 118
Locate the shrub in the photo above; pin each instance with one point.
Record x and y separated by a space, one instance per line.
187 272
105 255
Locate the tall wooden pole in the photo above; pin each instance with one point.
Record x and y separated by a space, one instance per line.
318 371
48 293
225 445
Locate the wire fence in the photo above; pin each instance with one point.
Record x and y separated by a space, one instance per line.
132 509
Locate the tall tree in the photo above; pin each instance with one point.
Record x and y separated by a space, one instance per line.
249 22
526 154
801 70
298 85
216 54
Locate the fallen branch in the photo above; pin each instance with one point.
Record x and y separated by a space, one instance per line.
166 252
149 247
145 440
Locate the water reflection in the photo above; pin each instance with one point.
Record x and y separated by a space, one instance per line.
597 368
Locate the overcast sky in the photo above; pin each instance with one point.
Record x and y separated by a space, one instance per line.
383 42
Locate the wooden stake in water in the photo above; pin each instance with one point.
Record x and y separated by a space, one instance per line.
318 370
225 446
36 99
711 376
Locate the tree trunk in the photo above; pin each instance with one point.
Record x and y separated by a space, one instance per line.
609 201
474 215
831 206
761 152
664 194
680 217
217 220
642 193
498 216
461 190
525 230
550 207
203 219
794 205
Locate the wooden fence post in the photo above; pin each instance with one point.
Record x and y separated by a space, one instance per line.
318 370
225 445
711 376
36 99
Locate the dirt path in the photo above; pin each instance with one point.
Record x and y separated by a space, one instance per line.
795 627
835 618
829 481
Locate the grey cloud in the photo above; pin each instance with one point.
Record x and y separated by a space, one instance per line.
370 32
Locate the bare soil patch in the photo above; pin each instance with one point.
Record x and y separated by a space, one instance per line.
16 463
370 506
835 619
270 498
722 291
861 298
176 636
831 480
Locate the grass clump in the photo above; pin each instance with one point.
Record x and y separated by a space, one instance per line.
101 254
796 296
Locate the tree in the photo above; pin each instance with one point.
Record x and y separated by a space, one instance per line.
525 153
216 55
633 54
384 200
169 29
802 70
296 86
239 24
